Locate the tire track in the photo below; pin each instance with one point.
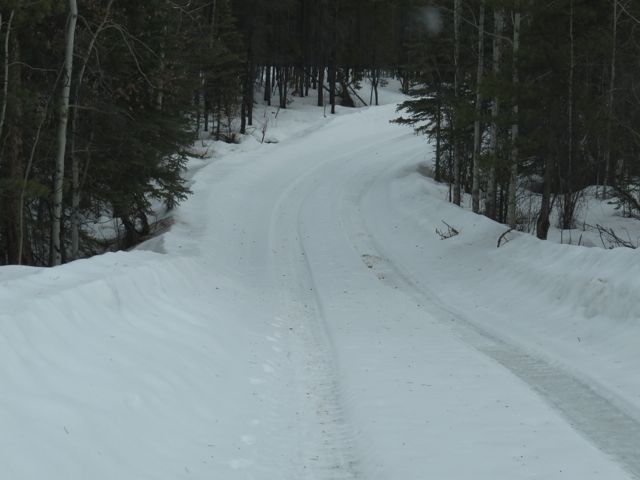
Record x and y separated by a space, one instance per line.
326 440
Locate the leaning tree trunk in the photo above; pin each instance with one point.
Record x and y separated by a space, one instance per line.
58 180
477 134
513 177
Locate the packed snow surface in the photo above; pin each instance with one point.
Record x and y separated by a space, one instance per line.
304 320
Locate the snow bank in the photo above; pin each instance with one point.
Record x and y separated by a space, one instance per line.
121 367
575 305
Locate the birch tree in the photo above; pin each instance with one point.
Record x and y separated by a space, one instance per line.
58 184
5 81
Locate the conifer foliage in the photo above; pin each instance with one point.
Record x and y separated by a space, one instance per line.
542 91
136 67
507 89
102 134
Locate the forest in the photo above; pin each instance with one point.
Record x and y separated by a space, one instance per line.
101 100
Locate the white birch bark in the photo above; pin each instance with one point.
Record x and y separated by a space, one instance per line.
58 180
5 82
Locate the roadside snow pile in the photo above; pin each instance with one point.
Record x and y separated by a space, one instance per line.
118 367
591 281
576 305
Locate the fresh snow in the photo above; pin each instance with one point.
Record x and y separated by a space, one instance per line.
303 320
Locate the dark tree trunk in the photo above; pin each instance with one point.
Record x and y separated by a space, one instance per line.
274 78
13 161
543 224
280 88
207 107
198 112
145 229
300 80
130 233
243 117
284 81
334 54
332 87
218 119
374 86
321 86
250 93
438 173
267 86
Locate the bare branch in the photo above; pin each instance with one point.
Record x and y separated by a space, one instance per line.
451 232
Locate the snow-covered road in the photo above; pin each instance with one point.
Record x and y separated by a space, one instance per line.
301 321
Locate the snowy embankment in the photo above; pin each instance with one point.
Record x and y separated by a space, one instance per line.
302 320
576 304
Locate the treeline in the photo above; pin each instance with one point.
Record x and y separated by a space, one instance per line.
94 120
100 100
328 46
543 90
